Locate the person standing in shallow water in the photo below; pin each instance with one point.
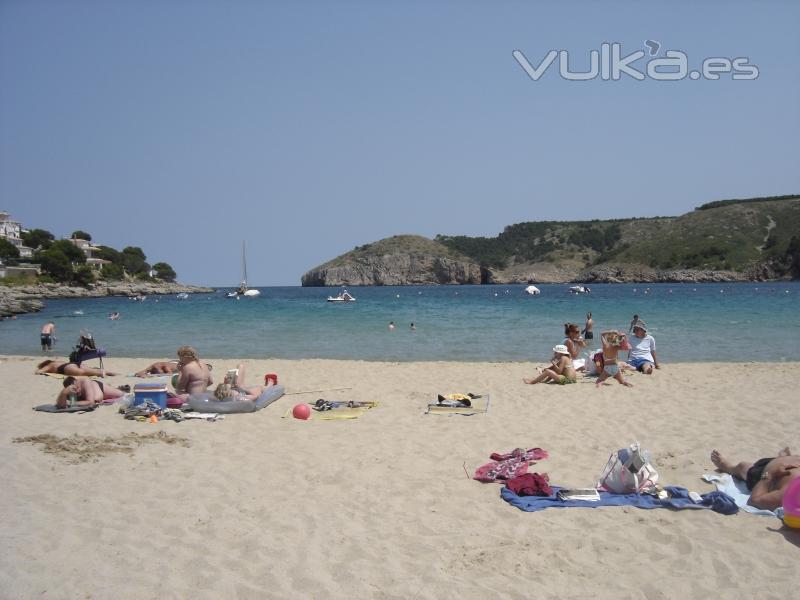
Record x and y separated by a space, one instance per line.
391 325
588 327
47 335
413 327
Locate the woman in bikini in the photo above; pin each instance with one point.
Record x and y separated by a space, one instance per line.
69 368
83 392
194 377
575 344
234 388
561 369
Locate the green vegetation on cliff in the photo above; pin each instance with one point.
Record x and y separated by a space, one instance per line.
734 235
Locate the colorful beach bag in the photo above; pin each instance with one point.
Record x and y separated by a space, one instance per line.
628 471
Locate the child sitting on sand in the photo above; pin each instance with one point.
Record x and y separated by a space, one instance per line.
613 342
561 369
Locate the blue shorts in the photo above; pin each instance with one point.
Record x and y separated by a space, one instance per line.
637 363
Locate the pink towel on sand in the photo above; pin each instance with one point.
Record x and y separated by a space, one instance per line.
508 466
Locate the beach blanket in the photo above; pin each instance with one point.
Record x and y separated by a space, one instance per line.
737 489
507 466
716 501
478 405
52 408
339 410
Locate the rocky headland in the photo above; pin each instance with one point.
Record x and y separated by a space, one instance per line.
16 300
726 241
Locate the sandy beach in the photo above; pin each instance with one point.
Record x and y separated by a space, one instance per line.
260 506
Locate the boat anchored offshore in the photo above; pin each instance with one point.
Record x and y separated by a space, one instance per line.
182 296
532 290
579 289
243 290
345 296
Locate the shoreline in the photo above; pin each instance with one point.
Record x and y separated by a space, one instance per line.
390 491
27 299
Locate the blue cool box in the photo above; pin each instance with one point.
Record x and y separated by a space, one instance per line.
155 392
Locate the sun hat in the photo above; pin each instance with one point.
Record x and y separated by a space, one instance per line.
641 325
560 349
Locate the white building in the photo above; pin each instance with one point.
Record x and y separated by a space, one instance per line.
87 248
11 230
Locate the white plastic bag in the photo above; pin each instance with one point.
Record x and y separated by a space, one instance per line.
628 471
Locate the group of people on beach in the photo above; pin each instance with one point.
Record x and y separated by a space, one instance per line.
767 478
190 376
603 363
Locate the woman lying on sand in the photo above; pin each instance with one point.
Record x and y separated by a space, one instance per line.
82 392
166 367
561 369
69 368
234 387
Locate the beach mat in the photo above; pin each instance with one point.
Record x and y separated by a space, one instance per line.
343 412
51 408
479 405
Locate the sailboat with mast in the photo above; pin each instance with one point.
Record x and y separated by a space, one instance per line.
243 290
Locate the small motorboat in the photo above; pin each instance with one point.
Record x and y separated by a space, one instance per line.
182 296
345 296
579 289
532 290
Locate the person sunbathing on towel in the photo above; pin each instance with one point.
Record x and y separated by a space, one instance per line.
82 392
767 478
69 368
234 388
166 367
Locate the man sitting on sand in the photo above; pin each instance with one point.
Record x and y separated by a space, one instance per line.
165 367
767 478
642 355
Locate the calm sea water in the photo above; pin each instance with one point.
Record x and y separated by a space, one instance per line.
707 322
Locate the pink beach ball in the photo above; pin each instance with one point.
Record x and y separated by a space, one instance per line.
791 505
301 411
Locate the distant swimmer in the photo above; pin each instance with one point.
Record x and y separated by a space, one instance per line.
114 316
391 325
413 327
47 336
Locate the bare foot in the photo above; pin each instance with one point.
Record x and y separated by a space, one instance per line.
627 384
530 381
722 465
598 384
785 452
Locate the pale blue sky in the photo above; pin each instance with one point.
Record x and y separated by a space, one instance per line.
308 128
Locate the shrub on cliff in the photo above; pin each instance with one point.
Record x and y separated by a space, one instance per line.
164 271
38 239
8 251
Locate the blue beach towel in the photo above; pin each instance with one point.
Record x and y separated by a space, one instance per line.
716 501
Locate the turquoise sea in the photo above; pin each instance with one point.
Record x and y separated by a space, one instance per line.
690 322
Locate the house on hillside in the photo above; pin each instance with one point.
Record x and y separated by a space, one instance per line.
86 247
10 231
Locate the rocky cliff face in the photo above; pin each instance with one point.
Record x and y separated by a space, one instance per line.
395 269
23 299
